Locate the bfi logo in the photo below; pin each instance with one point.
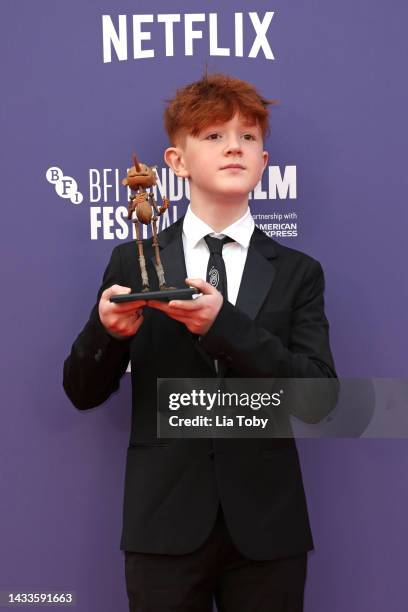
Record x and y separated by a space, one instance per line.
65 186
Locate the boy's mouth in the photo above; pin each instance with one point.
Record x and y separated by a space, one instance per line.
233 166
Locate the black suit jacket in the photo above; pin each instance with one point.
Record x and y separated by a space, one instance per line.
172 487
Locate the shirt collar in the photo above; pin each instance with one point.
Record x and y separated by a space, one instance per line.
194 229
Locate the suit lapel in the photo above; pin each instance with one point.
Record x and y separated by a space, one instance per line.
258 275
257 278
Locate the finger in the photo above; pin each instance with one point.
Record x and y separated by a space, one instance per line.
182 305
115 290
113 311
121 317
138 323
186 305
127 306
130 330
158 304
133 316
201 285
129 327
119 290
174 314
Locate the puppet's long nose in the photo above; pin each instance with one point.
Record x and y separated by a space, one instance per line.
136 163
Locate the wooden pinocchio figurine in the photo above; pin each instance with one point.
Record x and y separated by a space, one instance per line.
142 208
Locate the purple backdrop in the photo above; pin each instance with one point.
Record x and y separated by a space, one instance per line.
338 73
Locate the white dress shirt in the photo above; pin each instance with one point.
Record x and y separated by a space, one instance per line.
196 252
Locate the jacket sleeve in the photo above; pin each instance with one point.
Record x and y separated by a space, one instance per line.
97 361
253 351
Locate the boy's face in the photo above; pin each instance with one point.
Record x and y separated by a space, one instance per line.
225 159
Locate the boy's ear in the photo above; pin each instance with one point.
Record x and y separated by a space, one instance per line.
265 156
173 156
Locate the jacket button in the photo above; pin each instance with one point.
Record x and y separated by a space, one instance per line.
98 355
211 454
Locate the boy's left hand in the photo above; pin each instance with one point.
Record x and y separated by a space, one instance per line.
198 314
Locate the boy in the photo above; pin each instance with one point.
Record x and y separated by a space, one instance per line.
210 517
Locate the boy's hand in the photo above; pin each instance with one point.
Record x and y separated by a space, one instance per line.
120 320
198 314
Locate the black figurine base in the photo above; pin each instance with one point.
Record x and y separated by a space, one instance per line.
163 296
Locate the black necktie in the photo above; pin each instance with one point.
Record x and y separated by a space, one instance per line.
216 274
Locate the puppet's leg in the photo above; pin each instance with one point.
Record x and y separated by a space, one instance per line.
142 262
158 263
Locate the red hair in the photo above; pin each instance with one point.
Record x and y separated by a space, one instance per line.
215 98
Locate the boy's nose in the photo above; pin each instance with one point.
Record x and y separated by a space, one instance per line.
233 145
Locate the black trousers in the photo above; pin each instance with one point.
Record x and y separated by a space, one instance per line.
216 570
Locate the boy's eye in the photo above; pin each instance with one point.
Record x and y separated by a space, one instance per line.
218 136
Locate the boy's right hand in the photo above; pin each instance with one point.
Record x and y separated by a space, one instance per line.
120 320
